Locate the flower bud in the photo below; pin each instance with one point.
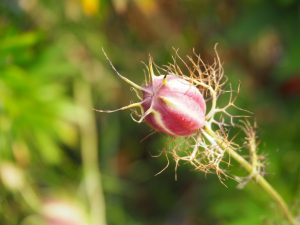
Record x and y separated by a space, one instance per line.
175 106
171 104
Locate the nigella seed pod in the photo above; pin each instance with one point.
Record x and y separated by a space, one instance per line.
175 106
170 103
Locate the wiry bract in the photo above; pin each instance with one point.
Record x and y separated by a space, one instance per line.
203 150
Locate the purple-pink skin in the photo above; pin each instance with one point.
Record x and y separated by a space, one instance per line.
175 106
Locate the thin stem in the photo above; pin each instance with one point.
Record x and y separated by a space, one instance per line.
260 180
89 153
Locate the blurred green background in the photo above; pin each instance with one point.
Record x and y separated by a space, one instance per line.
62 163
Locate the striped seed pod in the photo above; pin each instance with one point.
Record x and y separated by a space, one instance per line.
169 103
173 105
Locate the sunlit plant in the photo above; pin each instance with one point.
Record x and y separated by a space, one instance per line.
182 100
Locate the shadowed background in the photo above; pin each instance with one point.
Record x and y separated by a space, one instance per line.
62 163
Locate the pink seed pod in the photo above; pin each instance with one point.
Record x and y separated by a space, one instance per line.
174 105
169 103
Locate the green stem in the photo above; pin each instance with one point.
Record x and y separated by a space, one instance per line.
260 180
89 153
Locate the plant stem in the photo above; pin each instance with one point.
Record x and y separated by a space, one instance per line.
89 153
259 179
